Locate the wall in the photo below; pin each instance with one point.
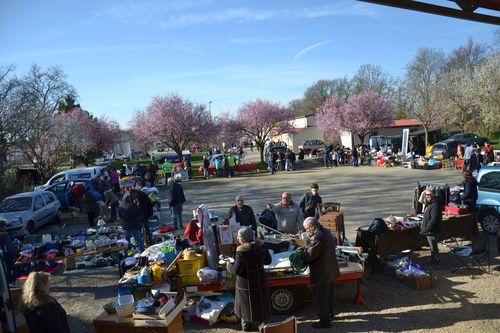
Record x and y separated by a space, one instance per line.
294 140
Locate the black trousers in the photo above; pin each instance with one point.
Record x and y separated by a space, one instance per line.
325 297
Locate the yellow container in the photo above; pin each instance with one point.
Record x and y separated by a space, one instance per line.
189 267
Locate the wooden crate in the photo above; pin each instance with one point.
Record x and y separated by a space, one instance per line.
334 221
419 282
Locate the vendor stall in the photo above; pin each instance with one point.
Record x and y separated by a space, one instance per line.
460 226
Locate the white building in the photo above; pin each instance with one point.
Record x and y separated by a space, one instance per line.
304 128
396 128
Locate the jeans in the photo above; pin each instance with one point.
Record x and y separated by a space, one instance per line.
138 237
434 248
176 212
325 297
355 162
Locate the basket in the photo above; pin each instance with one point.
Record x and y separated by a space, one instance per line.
189 267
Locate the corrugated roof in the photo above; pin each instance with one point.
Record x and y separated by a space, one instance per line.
405 123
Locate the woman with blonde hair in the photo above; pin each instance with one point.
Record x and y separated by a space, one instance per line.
42 312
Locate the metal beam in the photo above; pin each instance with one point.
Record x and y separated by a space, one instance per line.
444 11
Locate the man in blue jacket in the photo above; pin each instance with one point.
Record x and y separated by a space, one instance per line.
177 199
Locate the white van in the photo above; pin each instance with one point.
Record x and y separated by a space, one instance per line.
72 174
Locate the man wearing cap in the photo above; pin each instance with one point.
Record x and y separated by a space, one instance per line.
243 214
321 256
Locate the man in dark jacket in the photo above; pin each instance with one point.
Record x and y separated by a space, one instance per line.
310 201
131 221
321 256
243 214
145 211
252 304
177 199
431 224
470 195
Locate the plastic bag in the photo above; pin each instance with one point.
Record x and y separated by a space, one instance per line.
206 275
209 310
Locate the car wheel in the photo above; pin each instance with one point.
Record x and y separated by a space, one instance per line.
284 300
490 222
31 227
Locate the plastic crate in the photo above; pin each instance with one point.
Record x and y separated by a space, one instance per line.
188 269
460 210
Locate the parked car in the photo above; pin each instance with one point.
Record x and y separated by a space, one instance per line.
62 190
465 138
488 201
451 147
73 174
25 212
312 146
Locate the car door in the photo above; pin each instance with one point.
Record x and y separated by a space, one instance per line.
51 205
39 211
62 192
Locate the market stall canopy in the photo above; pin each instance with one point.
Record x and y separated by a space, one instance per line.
462 9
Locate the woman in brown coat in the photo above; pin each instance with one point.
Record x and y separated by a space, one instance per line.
252 304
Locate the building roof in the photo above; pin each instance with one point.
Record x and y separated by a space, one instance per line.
405 123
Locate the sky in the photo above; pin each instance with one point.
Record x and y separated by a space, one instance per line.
120 54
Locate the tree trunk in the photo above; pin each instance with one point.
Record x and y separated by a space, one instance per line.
426 131
261 151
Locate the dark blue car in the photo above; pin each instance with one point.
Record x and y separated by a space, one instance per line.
62 190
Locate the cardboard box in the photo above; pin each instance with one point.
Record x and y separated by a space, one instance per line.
226 239
170 319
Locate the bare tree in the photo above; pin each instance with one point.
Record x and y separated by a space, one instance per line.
461 111
424 87
12 129
44 91
373 78
316 95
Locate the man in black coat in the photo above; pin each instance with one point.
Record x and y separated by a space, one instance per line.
310 201
146 211
252 304
432 224
243 214
321 256
176 202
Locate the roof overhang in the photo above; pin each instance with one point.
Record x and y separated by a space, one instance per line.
465 11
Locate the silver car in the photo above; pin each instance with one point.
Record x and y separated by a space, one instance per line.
25 212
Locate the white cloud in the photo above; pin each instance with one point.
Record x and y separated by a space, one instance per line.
308 49
166 15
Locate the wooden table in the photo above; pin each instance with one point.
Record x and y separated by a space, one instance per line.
460 226
106 323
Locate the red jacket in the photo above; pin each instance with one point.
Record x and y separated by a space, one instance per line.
194 233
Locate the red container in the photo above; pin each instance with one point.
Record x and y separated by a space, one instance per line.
453 210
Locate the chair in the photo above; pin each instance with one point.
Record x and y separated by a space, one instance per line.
473 255
288 325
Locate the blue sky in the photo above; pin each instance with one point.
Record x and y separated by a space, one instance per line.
119 54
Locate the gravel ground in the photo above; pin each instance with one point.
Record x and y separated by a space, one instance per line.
459 302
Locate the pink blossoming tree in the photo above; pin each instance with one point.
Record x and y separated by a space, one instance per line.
174 121
359 114
84 136
261 119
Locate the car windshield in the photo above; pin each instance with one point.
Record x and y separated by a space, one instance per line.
15 204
